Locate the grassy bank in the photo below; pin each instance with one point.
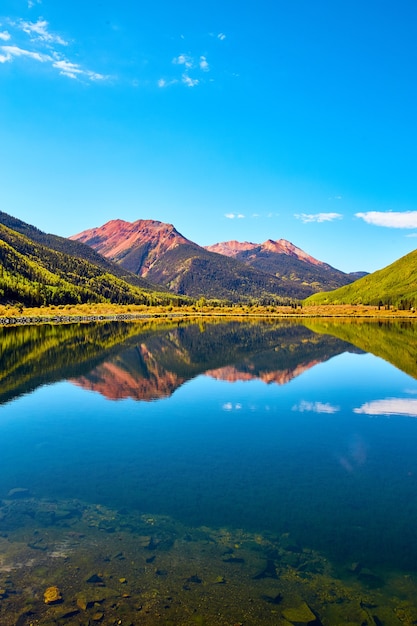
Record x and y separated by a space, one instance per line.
67 313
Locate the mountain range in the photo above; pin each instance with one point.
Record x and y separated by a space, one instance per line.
149 262
274 270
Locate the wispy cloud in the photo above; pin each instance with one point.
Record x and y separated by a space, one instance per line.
42 45
389 406
315 407
390 219
232 216
10 52
221 36
38 31
307 218
32 3
72 70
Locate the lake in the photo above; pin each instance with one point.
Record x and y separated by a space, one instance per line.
216 472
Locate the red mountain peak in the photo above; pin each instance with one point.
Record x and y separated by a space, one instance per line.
117 238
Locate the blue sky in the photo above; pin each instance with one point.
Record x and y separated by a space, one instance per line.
276 119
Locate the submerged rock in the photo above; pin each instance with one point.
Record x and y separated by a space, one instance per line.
220 580
18 492
194 579
95 579
273 599
301 616
237 560
82 601
97 617
52 595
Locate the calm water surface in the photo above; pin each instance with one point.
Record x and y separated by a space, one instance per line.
223 462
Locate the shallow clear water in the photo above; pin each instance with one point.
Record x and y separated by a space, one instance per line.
268 430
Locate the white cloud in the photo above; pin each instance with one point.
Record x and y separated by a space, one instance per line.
232 216
162 82
41 46
73 70
316 407
203 64
389 406
39 31
32 3
183 59
307 218
190 82
65 67
412 235
10 52
390 219
221 36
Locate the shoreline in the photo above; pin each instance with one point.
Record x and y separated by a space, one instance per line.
348 312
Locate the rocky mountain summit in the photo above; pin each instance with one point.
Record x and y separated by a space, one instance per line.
229 270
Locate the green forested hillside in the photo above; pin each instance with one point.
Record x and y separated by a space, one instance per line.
394 285
74 248
33 275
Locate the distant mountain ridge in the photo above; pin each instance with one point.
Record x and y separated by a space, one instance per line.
280 246
283 258
229 270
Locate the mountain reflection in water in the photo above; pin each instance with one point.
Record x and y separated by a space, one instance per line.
145 362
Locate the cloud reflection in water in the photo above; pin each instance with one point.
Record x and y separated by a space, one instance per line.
389 406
